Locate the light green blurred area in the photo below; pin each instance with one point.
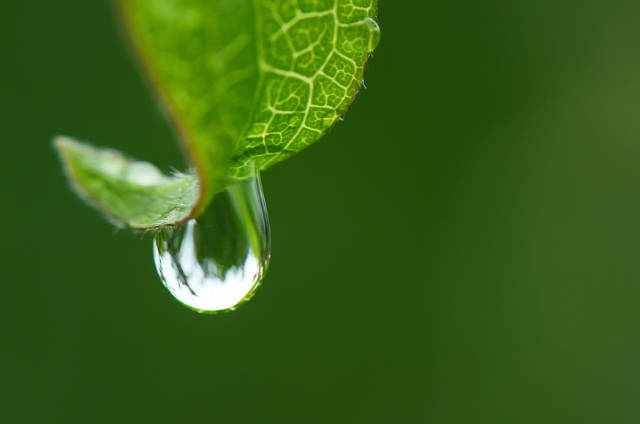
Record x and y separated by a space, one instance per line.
462 248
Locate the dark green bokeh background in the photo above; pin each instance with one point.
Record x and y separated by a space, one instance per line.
463 248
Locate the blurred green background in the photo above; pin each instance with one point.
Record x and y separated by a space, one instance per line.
463 248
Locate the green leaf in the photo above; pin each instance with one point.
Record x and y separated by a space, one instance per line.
243 82
127 191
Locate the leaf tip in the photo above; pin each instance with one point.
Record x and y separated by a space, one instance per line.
61 143
66 147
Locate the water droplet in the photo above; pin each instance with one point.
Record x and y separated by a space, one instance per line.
216 262
374 33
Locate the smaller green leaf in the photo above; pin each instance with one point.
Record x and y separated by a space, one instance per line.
129 192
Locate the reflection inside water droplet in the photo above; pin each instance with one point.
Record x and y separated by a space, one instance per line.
215 262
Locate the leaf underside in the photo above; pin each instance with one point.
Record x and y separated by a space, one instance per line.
243 81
